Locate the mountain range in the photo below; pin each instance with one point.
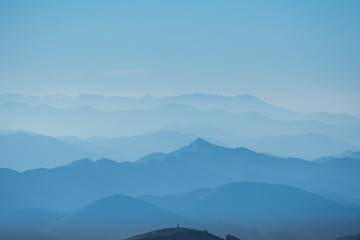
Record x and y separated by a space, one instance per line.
264 206
23 151
114 217
276 209
49 152
197 165
305 146
111 218
234 104
87 121
203 185
132 148
349 154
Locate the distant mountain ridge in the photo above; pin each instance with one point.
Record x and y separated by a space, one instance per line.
26 150
88 122
132 148
349 154
305 146
22 151
197 165
252 166
243 103
202 101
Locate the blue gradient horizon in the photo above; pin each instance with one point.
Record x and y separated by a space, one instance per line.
302 55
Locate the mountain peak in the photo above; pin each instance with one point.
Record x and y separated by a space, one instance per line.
202 146
199 143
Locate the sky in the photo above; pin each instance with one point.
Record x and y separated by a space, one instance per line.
304 55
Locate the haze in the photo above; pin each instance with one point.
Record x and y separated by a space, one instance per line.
202 119
301 55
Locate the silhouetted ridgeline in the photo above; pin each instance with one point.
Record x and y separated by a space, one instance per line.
49 152
204 186
263 206
23 151
113 217
178 234
197 165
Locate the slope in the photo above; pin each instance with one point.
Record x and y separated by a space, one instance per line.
176 234
264 206
113 217
22 151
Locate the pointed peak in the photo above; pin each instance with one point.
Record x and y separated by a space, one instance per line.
199 143
199 140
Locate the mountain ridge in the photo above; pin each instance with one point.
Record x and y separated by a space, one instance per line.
112 217
176 234
200 100
84 181
81 122
22 151
263 206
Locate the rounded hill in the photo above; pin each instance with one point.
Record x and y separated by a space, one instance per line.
176 234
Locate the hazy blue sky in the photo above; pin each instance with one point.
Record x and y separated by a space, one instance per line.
304 55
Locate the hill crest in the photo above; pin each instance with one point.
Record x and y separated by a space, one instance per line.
178 233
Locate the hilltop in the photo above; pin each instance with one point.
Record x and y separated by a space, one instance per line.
177 234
